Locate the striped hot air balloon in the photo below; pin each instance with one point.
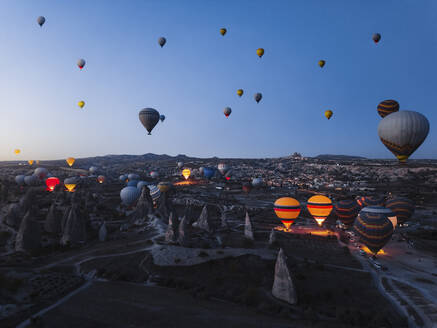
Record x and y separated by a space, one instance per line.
319 207
346 211
374 227
154 192
287 209
387 107
371 201
402 207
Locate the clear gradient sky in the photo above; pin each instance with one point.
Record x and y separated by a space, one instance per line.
198 71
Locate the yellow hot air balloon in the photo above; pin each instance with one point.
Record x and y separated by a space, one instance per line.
17 151
260 52
70 186
328 114
70 161
287 209
30 161
164 186
319 207
223 31
186 173
322 63
81 103
240 92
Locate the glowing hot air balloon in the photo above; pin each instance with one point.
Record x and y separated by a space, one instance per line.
51 183
223 31
186 173
328 114
101 178
70 186
70 161
227 111
17 151
30 161
149 117
322 63
376 37
162 41
260 52
319 207
287 209
41 20
81 63
240 92
81 103
387 107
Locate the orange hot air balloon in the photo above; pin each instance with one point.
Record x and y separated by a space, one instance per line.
17 151
30 161
51 183
186 173
70 161
260 52
287 209
319 207
70 186
101 179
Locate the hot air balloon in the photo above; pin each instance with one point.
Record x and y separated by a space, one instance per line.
257 182
186 173
41 20
30 161
287 209
208 172
402 207
133 176
328 114
81 103
129 195
403 132
51 183
122 178
373 227
247 187
322 63
387 107
260 52
223 168
154 175
19 179
162 41
223 31
228 175
93 169
376 37
17 151
41 172
258 96
371 201
101 178
31 180
164 186
180 164
319 207
154 192
240 92
70 184
81 63
162 118
201 170
37 162
70 161
347 211
141 184
132 183
227 111
149 117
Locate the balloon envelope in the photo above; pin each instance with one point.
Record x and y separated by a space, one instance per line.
328 114
376 37
322 63
258 96
101 178
346 211
208 172
19 179
51 183
162 41
227 111
240 92
186 173
162 118
260 52
81 103
149 117
387 107
402 207
371 201
287 209
70 161
41 20
81 63
319 207
129 195
223 31
41 172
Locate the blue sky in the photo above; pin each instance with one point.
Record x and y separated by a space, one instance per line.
198 71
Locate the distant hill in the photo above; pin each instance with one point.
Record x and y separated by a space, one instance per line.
339 157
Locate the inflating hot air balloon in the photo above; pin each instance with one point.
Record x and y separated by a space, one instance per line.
373 227
256 182
328 114
70 161
41 172
319 207
387 107
154 175
81 63
17 151
208 172
227 111
371 201
347 211
260 52
19 179
149 117
101 178
287 209
223 168
186 173
402 207
240 92
164 186
162 118
154 192
258 96
162 41
322 63
81 103
41 20
51 183
129 195
223 31
403 132
376 37
30 161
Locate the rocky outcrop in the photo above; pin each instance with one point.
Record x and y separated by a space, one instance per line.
65 217
52 224
13 216
75 229
203 222
273 238
283 286
183 232
103 232
29 235
248 229
27 200
144 205
170 234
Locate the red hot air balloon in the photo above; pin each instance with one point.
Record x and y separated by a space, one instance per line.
51 183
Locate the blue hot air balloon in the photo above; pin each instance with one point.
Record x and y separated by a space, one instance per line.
208 172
